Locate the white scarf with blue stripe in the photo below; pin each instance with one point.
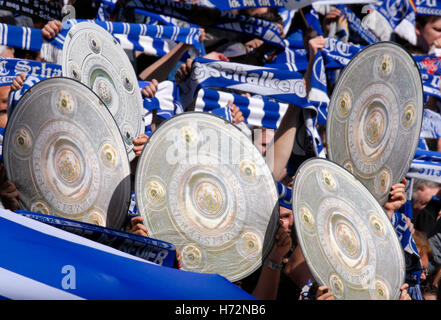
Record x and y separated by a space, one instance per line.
135 32
426 165
257 111
155 40
282 85
387 16
152 39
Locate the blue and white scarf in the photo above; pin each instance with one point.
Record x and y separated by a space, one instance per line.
426 165
166 101
287 17
155 40
291 59
406 28
404 234
318 95
282 85
431 127
413 262
288 4
313 21
285 195
11 67
105 9
257 111
296 60
155 18
336 54
263 29
20 37
138 35
241 4
319 99
428 7
431 84
356 26
387 16
394 11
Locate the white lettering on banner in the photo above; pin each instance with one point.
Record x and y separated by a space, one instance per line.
234 3
3 70
249 3
264 3
266 79
435 82
69 280
339 46
319 72
397 9
429 3
22 66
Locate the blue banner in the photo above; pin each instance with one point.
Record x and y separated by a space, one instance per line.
281 85
41 262
156 251
11 67
208 17
428 7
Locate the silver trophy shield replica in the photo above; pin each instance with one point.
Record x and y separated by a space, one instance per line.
94 57
202 185
64 152
375 116
347 240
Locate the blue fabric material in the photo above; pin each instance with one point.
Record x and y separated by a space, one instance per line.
40 256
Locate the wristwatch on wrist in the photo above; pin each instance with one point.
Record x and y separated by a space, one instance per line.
272 265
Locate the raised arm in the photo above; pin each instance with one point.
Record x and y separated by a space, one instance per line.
162 68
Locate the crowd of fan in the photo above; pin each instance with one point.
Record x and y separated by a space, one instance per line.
287 275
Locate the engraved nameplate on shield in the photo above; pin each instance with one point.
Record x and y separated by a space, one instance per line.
375 116
346 238
202 185
64 152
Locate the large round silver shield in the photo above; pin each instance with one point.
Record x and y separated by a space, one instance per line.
202 185
345 236
94 57
64 152
375 116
